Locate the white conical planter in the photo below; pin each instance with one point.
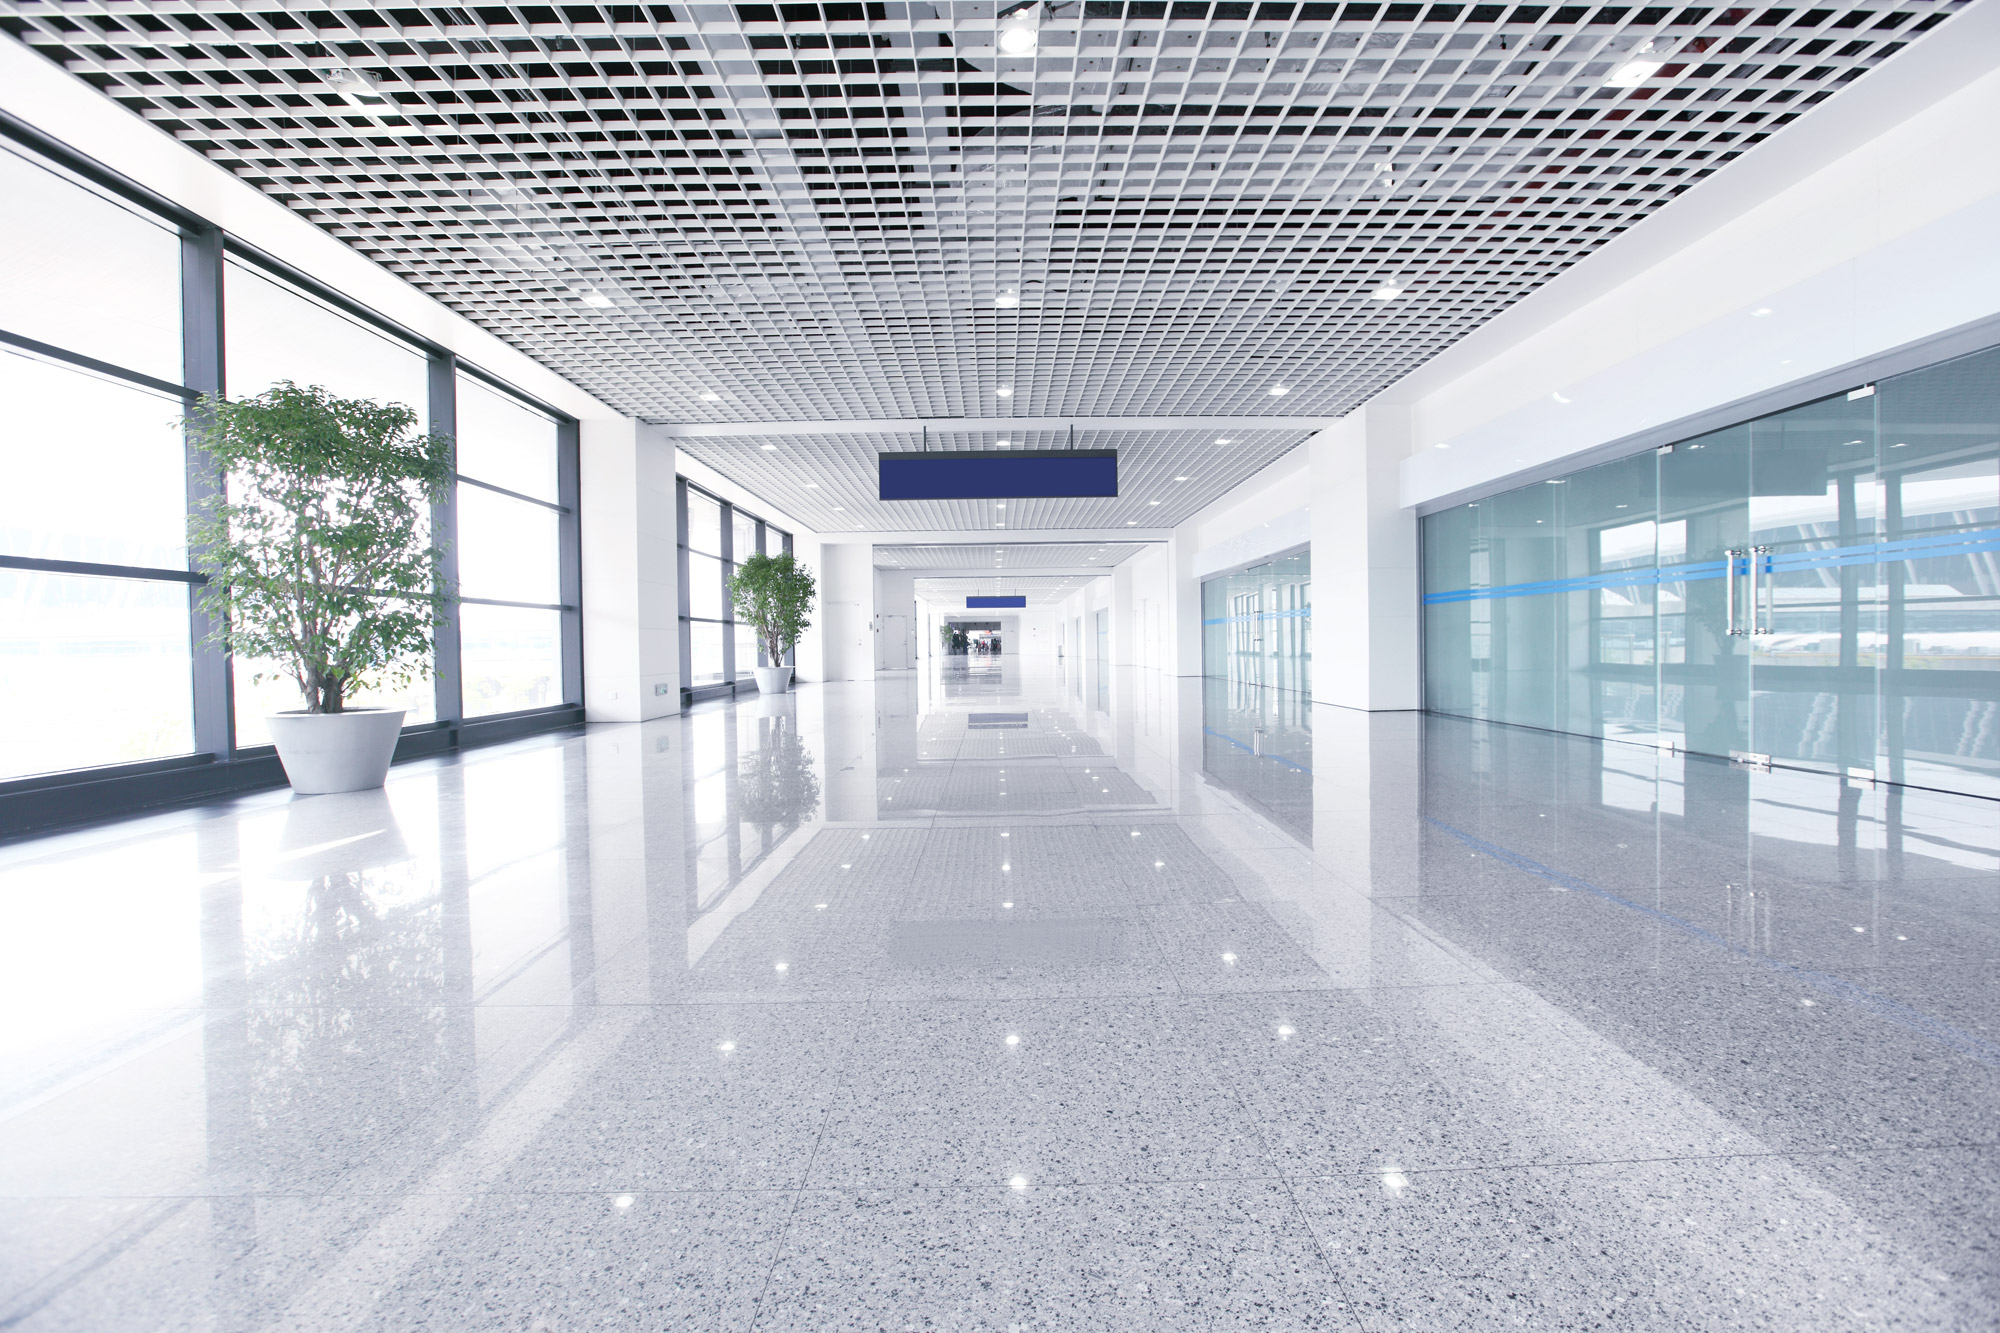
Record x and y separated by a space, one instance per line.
329 752
773 680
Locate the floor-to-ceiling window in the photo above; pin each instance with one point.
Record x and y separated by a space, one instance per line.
95 652
718 654
116 309
1819 587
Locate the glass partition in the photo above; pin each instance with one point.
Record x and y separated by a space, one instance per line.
1257 624
1819 587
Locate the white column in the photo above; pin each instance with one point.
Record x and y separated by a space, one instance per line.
1364 565
847 606
1184 604
631 593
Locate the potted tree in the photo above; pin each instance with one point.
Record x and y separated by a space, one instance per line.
319 558
774 594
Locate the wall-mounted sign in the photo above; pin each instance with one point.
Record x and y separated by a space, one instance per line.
988 603
988 474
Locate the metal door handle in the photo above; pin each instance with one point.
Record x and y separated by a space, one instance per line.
1729 588
1763 558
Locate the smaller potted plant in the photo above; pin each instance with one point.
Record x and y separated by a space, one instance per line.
319 559
774 595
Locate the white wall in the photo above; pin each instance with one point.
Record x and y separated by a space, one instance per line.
896 595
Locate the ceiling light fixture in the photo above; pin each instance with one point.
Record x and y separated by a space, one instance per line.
1637 70
358 89
1278 390
1018 35
1007 300
1005 391
770 448
1180 478
1224 439
1388 291
711 396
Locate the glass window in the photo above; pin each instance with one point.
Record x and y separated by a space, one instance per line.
505 443
704 523
93 671
87 274
746 652
512 658
705 652
704 587
507 548
275 333
743 536
96 470
256 700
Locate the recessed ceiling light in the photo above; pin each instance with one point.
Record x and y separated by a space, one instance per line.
1007 300
1224 439
1005 391
1764 310
1017 41
812 485
595 299
1152 502
769 448
1180 478
1388 291
840 509
711 396
1131 522
1278 390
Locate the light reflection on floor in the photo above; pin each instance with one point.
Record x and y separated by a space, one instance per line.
989 996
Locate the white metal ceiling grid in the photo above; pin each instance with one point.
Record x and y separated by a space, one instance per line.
829 481
1038 555
812 212
1040 591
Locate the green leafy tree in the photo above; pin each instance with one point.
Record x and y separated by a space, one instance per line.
774 594
318 550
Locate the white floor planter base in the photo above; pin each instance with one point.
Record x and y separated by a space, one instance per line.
773 680
329 752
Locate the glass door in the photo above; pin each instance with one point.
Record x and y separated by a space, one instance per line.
1810 594
1939 579
1701 543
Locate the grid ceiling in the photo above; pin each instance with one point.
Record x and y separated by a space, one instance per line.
858 211
1030 555
829 481
1040 591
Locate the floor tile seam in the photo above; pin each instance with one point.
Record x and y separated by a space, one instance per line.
1562 1163
1350 1306
781 1242
29 1299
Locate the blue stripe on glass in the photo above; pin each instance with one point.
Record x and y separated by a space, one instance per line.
1909 548
1299 613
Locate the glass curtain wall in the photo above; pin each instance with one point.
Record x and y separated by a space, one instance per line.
1819 587
115 310
718 654
275 332
1256 625
509 502
95 652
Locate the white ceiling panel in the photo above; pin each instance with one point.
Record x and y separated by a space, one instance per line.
1038 555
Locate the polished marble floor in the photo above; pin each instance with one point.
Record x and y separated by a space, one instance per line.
990 997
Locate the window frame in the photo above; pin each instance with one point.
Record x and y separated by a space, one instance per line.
217 764
731 683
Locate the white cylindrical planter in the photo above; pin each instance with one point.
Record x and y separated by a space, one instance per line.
773 680
329 752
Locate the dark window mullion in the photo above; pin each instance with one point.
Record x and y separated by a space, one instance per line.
569 528
202 367
447 662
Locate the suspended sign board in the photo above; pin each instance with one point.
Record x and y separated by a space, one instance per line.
987 603
988 474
